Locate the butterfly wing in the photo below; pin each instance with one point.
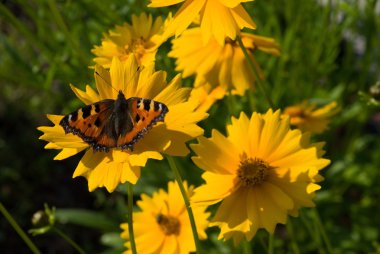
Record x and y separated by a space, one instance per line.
91 123
142 115
109 123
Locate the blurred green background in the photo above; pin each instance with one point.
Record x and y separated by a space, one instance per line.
330 51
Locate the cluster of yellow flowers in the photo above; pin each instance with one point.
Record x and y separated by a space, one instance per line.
260 172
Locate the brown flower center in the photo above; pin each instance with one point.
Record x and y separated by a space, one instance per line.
169 224
300 113
252 171
137 46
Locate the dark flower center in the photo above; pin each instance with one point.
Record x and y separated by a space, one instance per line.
252 171
300 113
169 224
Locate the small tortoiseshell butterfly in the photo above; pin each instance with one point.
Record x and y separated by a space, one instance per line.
114 123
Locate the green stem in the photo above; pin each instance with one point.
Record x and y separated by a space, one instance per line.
247 248
61 24
271 244
253 67
130 219
293 242
263 243
311 229
187 202
323 231
252 102
19 230
230 104
69 240
306 223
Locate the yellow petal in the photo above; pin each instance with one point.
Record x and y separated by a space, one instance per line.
87 97
88 162
54 118
242 18
162 3
175 199
237 133
103 82
216 154
170 246
230 3
141 158
242 76
217 21
68 152
130 173
218 187
233 211
183 17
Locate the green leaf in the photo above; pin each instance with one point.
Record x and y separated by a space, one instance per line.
86 218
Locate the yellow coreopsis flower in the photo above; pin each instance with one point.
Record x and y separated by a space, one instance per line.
261 172
163 224
307 117
116 166
142 38
217 65
218 18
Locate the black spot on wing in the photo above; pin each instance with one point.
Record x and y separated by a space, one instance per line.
137 118
74 116
86 111
147 104
156 106
97 108
97 122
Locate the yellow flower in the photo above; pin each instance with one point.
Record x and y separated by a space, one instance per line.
307 117
142 39
108 169
218 18
163 224
206 96
261 172
219 65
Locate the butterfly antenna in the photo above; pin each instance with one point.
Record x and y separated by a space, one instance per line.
139 68
105 81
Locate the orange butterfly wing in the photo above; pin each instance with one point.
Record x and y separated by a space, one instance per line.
114 123
143 113
88 123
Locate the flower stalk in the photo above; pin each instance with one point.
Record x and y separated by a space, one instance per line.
258 80
289 228
271 244
19 230
187 202
69 240
130 218
322 231
246 248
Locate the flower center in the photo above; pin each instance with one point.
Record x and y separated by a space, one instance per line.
252 171
137 46
300 113
169 224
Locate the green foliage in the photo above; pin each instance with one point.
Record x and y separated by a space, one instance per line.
328 52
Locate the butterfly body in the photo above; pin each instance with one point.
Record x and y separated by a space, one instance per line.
116 123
